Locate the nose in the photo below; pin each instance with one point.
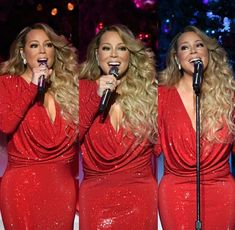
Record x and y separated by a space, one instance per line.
193 49
113 53
42 49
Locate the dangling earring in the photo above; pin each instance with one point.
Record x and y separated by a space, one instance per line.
177 62
179 66
22 56
24 61
97 59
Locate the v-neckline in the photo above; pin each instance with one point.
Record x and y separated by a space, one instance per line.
108 120
185 110
52 123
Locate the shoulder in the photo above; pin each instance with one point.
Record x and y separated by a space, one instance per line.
87 84
88 90
164 90
12 80
166 95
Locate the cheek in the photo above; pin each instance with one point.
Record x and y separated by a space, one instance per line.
126 59
181 57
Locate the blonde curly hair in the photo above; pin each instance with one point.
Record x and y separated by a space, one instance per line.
64 78
138 100
217 91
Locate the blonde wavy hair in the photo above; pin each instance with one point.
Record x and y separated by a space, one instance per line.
138 100
64 78
217 91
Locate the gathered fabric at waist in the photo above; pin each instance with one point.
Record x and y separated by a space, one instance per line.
45 170
122 176
204 176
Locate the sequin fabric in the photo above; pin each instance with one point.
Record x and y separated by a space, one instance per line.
177 189
39 189
119 190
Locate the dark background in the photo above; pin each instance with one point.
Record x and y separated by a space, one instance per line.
155 21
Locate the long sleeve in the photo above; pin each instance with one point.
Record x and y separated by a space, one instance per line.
88 105
16 96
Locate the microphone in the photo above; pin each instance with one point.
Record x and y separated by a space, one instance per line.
41 80
107 93
197 75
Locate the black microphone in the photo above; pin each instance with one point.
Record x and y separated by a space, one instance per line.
107 93
41 80
197 75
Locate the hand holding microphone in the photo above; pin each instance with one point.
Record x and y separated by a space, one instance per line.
42 78
107 93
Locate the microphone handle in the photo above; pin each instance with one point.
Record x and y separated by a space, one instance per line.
197 76
104 100
41 84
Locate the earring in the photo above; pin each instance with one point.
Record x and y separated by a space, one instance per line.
177 62
22 56
179 66
97 58
24 61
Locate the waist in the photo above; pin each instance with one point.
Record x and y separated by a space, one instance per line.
125 174
204 175
50 170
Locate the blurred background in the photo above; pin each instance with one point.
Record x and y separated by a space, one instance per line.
155 22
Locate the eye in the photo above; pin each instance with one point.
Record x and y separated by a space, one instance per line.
200 44
184 47
33 45
122 48
49 44
105 48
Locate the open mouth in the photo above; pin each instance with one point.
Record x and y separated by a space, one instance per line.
194 60
42 60
114 63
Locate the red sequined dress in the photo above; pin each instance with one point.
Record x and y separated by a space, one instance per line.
39 189
177 189
119 190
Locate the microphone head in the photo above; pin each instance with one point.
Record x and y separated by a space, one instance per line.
42 61
198 62
114 71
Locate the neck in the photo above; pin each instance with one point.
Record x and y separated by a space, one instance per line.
185 83
27 75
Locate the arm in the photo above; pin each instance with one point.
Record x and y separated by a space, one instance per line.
88 105
16 96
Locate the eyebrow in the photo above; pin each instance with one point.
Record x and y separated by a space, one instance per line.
200 40
107 43
48 40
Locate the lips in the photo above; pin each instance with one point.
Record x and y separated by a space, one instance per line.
42 61
194 59
114 63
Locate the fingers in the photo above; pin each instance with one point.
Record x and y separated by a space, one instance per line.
40 71
106 82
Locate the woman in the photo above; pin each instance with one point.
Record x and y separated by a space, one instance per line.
119 190
38 189
177 134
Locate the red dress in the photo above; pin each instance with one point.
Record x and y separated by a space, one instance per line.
177 189
119 190
39 189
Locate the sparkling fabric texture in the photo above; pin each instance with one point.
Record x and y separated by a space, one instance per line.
177 189
39 189
119 190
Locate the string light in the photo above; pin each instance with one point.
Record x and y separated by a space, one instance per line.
54 11
99 27
39 7
70 6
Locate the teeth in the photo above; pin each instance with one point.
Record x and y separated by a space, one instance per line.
194 59
114 63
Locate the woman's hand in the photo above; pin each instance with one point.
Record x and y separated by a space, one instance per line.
42 70
107 82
